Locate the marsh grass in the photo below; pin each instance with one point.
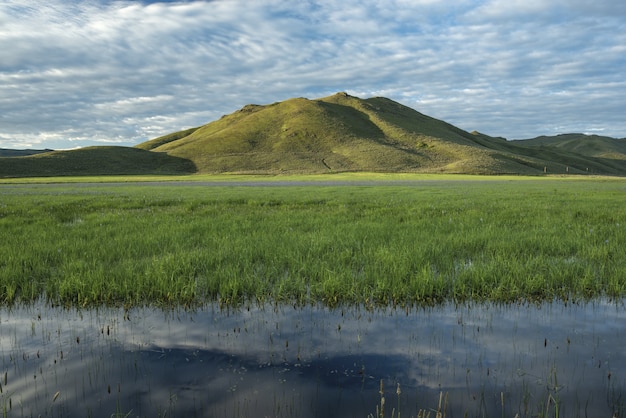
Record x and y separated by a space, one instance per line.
418 243
439 412
548 407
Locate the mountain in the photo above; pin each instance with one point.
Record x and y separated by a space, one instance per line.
337 133
332 134
346 133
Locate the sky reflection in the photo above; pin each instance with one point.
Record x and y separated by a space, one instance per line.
312 361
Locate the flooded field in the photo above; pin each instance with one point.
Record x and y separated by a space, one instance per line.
545 360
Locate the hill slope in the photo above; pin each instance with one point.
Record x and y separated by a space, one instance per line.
94 161
5 152
332 134
346 133
589 145
337 133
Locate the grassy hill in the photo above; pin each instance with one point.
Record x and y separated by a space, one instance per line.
346 133
6 152
589 145
336 133
339 133
94 161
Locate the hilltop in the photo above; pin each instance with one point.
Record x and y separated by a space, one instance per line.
337 133
346 133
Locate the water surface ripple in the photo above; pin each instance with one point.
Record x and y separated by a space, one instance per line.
314 361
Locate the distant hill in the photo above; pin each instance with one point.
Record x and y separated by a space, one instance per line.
4 152
94 161
589 145
333 134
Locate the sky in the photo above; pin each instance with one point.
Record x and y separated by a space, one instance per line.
77 73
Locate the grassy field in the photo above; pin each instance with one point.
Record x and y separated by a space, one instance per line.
421 240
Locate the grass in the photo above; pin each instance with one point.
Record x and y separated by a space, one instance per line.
551 407
344 177
470 239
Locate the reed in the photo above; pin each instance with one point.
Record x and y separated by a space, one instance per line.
406 244
440 411
548 409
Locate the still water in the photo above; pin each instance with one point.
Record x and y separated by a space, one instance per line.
282 361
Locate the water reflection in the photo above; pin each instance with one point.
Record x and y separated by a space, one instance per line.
313 362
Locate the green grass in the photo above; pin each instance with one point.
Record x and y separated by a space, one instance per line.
426 242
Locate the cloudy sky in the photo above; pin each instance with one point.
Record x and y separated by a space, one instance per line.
83 72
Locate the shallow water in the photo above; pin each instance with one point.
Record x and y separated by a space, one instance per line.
314 362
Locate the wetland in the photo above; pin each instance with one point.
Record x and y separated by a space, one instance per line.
477 296
279 361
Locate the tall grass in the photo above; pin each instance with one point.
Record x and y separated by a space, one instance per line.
412 244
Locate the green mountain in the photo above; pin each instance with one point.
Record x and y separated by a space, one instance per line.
95 161
346 133
337 133
332 134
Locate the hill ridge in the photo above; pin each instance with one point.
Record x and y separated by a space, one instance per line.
341 132
336 133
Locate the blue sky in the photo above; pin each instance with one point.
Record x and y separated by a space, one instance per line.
75 73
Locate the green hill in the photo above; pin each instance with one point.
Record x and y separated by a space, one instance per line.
94 161
589 145
153 143
346 133
6 152
338 133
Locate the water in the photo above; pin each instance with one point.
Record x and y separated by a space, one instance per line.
314 362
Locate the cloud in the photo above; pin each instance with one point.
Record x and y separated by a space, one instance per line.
457 349
124 71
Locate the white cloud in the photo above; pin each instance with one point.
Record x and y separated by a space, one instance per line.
80 70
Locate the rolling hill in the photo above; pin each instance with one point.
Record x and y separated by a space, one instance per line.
6 152
109 160
333 134
346 133
589 145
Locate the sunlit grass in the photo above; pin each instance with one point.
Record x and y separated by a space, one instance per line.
283 178
456 238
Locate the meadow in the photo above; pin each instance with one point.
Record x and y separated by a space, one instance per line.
404 240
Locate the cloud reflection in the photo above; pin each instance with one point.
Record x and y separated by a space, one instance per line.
312 361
